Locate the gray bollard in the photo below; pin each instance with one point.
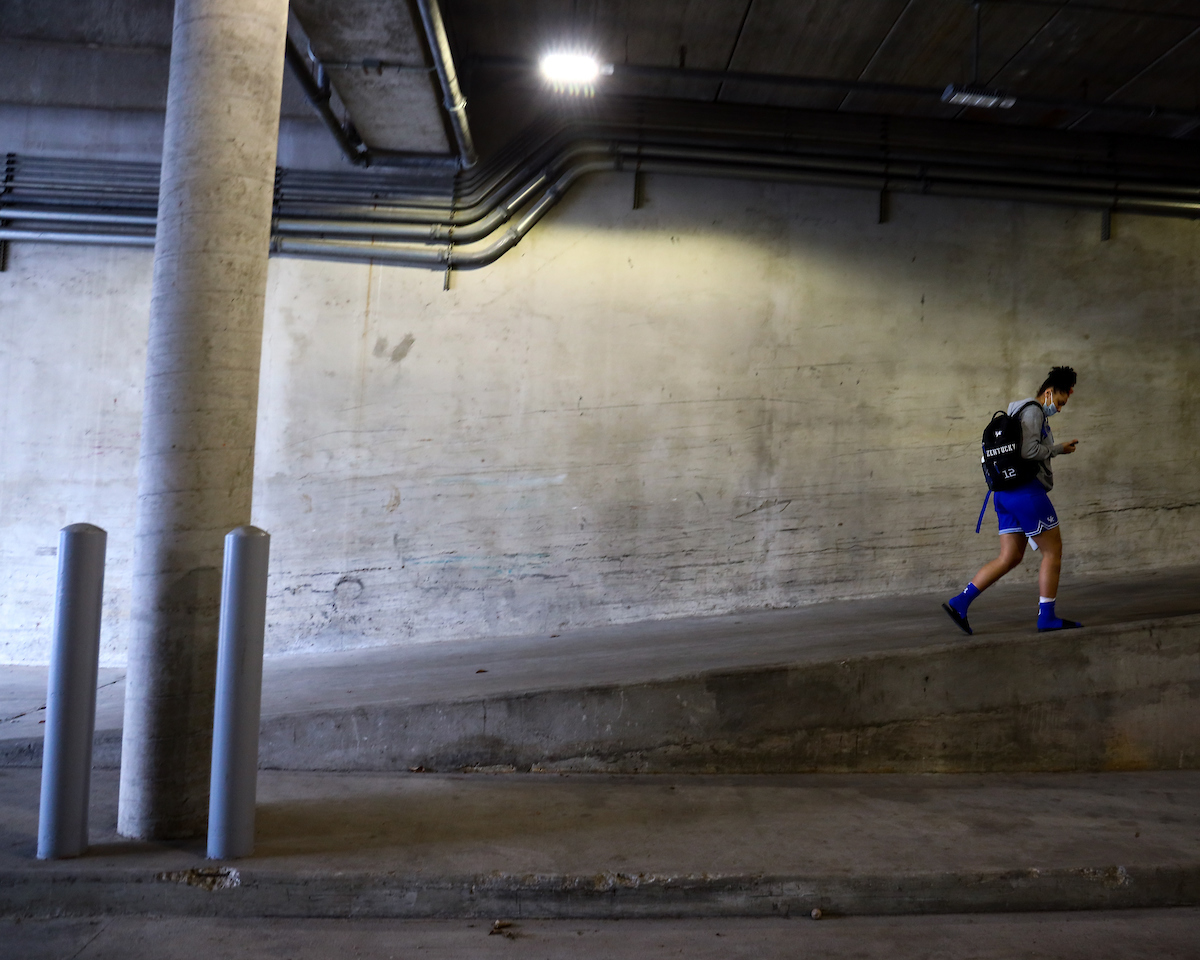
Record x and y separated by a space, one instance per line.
71 693
239 694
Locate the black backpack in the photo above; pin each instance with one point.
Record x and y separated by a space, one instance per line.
1003 466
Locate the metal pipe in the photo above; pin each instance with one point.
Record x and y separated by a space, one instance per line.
510 194
452 98
434 232
438 259
318 98
238 705
828 170
448 256
75 216
431 214
352 147
71 693
398 220
62 236
893 167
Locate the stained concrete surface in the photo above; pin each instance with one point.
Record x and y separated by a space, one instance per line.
429 845
1108 935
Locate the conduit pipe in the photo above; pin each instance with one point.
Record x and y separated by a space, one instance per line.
317 92
16 234
452 98
423 227
475 225
106 217
445 255
398 222
875 174
317 96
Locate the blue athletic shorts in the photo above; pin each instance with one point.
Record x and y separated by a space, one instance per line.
1025 510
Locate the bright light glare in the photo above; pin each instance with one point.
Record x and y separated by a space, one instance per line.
571 68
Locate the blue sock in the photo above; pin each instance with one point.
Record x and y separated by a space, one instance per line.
1046 615
962 601
1048 619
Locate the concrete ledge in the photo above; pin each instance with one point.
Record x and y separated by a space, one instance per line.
238 892
27 752
1118 697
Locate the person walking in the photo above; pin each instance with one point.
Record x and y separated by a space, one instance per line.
1025 513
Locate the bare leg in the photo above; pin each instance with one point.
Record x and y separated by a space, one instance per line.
1049 544
1012 550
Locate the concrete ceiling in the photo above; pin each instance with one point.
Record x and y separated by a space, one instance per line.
376 56
113 54
95 54
1132 51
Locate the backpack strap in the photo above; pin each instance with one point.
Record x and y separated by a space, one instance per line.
983 510
1021 409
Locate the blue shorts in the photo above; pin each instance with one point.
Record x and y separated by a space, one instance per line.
1025 510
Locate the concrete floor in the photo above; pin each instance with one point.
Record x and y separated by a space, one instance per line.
480 846
456 824
413 845
1119 935
455 670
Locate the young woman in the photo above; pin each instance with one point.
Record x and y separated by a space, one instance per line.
1026 513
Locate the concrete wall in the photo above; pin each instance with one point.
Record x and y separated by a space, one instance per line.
739 396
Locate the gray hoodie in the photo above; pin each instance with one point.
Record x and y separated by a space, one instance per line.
1037 442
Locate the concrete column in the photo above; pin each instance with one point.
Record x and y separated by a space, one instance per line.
201 396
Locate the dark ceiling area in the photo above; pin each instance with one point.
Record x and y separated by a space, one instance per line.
1105 111
1130 66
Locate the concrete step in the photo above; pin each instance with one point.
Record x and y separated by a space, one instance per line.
603 846
874 686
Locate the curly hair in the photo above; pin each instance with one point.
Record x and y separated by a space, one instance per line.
1061 379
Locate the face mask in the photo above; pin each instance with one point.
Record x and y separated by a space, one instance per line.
1050 408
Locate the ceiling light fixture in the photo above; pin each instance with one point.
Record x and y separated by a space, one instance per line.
573 70
973 94
970 95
